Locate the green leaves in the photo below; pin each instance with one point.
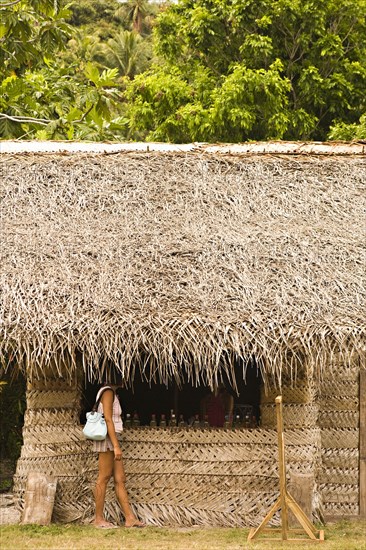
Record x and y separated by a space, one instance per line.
29 31
92 73
54 104
246 102
226 70
342 131
239 42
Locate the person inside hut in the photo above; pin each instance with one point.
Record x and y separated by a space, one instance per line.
218 406
110 458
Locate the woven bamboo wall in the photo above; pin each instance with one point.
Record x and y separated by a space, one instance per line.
175 476
300 412
339 422
300 407
52 438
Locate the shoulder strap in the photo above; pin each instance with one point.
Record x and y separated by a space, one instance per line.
101 391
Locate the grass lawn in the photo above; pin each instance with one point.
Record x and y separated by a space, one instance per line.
344 535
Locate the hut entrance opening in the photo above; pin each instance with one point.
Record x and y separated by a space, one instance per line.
145 403
12 409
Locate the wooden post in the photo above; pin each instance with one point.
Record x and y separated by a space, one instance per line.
362 449
282 467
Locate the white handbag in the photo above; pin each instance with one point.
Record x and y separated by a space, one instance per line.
95 427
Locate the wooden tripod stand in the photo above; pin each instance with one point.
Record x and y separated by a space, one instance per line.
285 501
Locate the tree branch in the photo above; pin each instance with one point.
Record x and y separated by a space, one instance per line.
85 114
42 121
9 4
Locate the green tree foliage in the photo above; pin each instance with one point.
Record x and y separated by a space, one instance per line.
253 69
348 132
30 29
127 52
107 35
224 70
138 15
173 109
40 95
93 14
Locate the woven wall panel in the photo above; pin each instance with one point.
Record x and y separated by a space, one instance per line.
340 458
339 419
52 384
52 434
339 423
220 482
201 468
56 465
341 370
339 403
49 399
49 417
188 476
338 492
347 476
294 416
340 509
301 393
205 499
55 449
346 438
215 452
339 388
261 436
242 512
237 510
212 477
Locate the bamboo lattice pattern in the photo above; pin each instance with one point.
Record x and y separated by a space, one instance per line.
339 423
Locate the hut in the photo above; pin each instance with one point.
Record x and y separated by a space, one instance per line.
184 266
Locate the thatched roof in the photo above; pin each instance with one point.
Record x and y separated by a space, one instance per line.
184 256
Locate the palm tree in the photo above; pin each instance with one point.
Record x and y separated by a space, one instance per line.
136 12
128 52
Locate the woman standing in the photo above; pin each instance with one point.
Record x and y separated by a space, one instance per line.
110 461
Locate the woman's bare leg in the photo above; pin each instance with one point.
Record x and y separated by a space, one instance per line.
121 492
105 466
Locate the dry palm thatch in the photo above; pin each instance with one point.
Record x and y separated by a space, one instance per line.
165 259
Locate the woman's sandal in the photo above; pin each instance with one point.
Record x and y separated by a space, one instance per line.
106 526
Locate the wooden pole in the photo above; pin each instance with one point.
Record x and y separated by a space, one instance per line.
282 467
362 426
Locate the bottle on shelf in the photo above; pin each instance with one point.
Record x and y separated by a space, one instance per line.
247 421
173 419
196 422
181 422
128 421
162 421
153 422
206 423
135 420
253 422
227 423
237 423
